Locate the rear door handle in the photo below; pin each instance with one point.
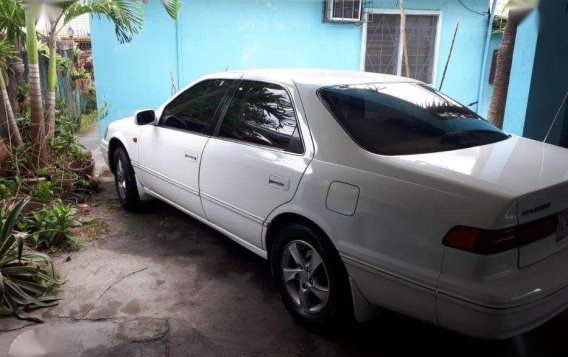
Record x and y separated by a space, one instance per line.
191 156
279 182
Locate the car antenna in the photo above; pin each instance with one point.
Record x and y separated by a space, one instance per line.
555 117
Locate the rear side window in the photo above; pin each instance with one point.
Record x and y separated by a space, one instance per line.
263 114
194 110
406 118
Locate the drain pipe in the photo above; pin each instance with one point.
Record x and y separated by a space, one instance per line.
485 53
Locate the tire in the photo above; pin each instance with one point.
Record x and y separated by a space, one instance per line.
125 181
301 287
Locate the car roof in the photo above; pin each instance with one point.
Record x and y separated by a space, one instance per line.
318 77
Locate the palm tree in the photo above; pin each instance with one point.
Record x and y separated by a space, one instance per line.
128 20
7 52
519 9
11 32
32 10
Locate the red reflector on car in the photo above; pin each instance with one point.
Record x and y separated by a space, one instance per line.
483 241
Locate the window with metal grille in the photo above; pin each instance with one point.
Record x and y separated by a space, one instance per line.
384 47
343 10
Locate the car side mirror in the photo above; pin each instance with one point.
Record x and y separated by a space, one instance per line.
145 117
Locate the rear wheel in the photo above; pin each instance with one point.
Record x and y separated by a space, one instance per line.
310 276
125 181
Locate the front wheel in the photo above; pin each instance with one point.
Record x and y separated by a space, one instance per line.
310 276
125 181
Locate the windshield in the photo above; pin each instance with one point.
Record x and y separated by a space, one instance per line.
406 118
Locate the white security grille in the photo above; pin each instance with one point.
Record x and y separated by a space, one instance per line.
384 54
343 10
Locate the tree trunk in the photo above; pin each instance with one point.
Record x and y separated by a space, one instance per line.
16 76
51 87
14 137
503 69
39 151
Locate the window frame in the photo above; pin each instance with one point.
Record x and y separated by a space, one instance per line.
229 101
216 115
329 9
400 63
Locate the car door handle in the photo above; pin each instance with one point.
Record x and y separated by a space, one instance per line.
191 156
279 182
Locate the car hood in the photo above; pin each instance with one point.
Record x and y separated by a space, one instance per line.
512 167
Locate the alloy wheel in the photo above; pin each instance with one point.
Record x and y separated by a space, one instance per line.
120 180
305 276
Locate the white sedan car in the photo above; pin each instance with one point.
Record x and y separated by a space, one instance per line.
363 191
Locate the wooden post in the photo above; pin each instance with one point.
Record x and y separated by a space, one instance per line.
450 55
404 42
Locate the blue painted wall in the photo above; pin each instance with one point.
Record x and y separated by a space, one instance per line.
134 75
243 34
521 75
550 74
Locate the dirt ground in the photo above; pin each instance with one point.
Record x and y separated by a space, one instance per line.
160 283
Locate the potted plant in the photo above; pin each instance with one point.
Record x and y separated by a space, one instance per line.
67 179
83 163
82 167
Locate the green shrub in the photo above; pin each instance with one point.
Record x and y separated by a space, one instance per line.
42 192
7 188
25 278
53 226
91 98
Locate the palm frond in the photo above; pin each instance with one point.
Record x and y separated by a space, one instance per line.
7 52
173 7
12 19
126 15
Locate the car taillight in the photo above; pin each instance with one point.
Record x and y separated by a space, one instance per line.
483 241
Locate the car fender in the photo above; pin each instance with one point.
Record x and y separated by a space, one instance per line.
127 133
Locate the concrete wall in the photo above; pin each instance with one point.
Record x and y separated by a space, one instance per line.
240 34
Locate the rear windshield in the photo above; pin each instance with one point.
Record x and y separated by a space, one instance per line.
406 118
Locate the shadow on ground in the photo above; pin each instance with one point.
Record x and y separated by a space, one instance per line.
159 283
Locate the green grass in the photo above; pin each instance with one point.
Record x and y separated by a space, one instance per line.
87 121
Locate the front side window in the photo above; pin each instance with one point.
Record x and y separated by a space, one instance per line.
262 114
194 110
406 118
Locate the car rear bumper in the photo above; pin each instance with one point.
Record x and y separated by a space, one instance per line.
498 323
494 300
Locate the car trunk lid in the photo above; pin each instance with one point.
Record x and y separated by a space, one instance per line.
533 173
548 207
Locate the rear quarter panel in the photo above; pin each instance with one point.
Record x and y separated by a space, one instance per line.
392 244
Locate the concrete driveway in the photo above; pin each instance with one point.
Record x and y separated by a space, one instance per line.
160 283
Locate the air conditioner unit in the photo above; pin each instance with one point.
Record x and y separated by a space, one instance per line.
343 10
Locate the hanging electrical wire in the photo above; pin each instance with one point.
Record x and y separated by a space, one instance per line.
470 9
